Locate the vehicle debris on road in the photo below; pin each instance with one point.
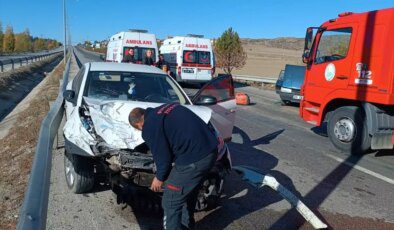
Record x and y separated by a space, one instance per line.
258 180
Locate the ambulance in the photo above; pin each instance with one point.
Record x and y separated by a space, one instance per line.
190 58
138 40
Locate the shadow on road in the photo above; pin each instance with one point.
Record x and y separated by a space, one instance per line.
139 205
320 130
241 198
318 194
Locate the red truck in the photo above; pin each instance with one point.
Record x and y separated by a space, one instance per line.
349 80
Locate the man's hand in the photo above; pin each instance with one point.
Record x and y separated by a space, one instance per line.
156 185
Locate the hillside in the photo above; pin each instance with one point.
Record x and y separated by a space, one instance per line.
281 43
267 57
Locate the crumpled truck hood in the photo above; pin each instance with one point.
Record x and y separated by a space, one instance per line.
110 120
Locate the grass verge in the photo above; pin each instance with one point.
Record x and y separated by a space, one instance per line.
7 77
18 148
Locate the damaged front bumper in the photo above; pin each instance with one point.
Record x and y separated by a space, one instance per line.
97 122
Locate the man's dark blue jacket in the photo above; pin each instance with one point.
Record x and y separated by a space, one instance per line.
175 134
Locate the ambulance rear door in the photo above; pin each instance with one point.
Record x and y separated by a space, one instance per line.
189 59
204 60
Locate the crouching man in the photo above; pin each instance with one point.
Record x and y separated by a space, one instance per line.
177 135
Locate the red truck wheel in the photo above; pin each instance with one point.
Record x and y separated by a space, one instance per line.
348 131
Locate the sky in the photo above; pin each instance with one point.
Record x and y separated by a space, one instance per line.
100 19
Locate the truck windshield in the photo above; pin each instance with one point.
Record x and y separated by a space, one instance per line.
130 86
139 54
196 57
333 45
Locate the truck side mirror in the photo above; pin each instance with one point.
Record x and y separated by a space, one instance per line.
308 44
308 38
305 56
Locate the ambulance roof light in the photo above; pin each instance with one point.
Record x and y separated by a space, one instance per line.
345 14
195 35
138 30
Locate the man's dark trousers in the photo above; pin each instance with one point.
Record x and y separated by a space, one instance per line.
181 190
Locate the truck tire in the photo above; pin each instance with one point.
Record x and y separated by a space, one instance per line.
79 172
348 131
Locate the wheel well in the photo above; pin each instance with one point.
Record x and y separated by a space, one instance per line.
337 103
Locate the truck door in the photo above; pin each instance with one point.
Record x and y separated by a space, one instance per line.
222 88
331 64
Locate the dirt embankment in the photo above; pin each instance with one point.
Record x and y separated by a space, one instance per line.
288 43
267 57
18 146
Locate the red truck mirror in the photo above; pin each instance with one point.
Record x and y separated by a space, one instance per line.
309 35
305 56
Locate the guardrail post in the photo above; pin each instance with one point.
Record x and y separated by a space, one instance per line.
1 66
20 61
12 64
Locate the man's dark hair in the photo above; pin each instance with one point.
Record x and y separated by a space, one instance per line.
136 115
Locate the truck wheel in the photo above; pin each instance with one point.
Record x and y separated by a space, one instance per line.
79 172
348 131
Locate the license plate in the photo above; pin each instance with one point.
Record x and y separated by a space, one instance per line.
188 70
297 97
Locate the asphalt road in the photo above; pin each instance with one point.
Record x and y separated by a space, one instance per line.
346 192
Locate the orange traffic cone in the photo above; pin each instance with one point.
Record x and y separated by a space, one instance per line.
242 99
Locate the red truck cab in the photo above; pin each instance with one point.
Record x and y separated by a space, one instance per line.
349 80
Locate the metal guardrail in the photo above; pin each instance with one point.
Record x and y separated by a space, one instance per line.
33 213
26 60
79 63
265 80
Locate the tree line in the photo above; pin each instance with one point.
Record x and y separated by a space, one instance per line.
11 42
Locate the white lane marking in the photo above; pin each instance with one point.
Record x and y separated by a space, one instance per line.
338 159
362 169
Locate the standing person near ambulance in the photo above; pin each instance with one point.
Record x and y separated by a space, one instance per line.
129 58
162 64
148 60
176 135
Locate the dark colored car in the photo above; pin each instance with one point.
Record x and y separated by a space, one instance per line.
289 83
